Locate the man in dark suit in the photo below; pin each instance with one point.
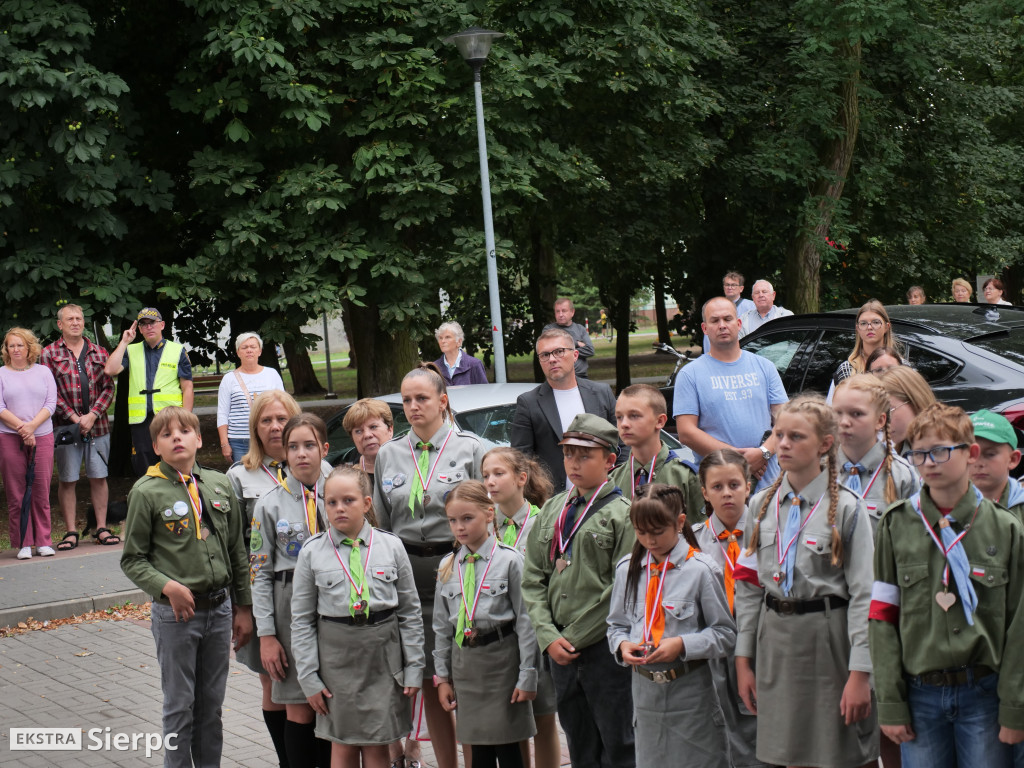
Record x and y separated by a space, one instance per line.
545 413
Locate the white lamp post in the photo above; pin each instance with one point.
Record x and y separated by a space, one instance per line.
474 44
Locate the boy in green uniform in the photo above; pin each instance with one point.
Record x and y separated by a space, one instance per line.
183 545
946 622
640 414
997 440
571 554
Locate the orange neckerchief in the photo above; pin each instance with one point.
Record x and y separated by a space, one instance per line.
732 552
652 604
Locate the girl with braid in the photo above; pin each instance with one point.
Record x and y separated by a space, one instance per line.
803 588
868 466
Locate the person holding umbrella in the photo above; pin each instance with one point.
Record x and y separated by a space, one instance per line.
28 397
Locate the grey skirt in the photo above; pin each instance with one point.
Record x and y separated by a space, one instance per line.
287 691
249 655
679 718
424 574
803 665
362 668
484 679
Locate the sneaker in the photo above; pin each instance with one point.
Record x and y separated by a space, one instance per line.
25 553
46 551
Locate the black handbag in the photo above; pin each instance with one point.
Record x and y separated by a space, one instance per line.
67 435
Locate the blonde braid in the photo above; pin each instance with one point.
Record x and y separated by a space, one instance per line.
447 566
890 483
755 537
833 505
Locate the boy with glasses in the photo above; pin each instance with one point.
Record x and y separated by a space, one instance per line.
946 623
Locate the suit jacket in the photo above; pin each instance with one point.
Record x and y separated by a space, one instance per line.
537 428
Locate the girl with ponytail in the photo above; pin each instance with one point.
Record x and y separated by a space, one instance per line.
803 587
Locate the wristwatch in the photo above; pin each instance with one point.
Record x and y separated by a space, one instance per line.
765 452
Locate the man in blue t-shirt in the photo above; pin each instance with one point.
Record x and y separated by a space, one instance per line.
728 398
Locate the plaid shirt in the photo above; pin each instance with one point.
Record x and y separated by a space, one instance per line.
59 359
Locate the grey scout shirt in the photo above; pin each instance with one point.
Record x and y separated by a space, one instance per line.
321 588
395 470
523 520
499 574
871 493
814 576
279 531
694 602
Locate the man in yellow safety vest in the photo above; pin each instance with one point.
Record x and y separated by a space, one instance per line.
159 374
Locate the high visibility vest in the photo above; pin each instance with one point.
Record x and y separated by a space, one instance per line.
166 389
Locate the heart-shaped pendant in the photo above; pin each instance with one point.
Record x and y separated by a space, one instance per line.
945 600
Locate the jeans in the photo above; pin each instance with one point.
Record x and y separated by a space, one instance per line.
239 447
595 707
955 726
193 657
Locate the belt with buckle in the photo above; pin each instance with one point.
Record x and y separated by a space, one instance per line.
507 629
361 619
787 607
662 676
208 600
428 550
285 576
955 676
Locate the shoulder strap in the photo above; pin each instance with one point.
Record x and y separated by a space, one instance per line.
241 383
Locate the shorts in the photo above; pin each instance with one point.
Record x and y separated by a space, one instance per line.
69 458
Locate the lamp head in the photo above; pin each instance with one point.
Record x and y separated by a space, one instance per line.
474 44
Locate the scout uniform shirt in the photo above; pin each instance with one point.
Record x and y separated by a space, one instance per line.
693 601
499 575
161 541
911 633
1012 498
516 533
280 529
717 548
872 480
321 588
453 456
573 602
814 576
668 468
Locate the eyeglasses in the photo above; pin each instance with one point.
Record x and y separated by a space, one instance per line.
869 324
940 454
558 354
730 285
144 323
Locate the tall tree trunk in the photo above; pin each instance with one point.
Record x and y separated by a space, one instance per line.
618 297
543 286
346 321
803 262
660 314
304 380
384 358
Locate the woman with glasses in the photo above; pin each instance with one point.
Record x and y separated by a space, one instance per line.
993 290
873 332
909 394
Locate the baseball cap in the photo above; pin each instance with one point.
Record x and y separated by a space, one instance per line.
150 313
992 426
591 431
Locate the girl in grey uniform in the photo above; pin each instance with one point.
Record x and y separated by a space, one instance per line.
284 519
669 617
412 475
724 480
519 486
803 589
259 471
868 466
357 632
485 650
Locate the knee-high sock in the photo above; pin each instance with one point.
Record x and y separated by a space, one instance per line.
323 753
301 744
275 720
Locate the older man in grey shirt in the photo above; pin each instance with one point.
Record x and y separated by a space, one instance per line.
765 308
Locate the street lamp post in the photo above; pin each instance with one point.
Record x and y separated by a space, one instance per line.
474 44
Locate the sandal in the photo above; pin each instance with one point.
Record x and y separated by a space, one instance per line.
111 539
398 762
65 544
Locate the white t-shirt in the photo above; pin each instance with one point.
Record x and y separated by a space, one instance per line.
232 405
570 405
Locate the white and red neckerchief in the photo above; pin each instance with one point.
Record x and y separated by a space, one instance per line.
649 620
916 501
779 531
416 464
632 474
563 541
470 612
369 545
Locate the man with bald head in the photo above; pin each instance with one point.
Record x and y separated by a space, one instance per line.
728 398
765 308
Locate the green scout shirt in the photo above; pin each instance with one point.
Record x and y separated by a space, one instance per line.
578 598
160 537
1013 501
911 634
668 469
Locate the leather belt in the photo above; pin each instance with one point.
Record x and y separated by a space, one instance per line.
476 641
956 676
361 619
787 607
428 550
662 676
208 600
285 576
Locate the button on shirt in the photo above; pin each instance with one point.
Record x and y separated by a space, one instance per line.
321 588
501 602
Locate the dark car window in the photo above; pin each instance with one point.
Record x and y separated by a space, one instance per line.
934 367
489 423
832 348
1009 345
779 347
